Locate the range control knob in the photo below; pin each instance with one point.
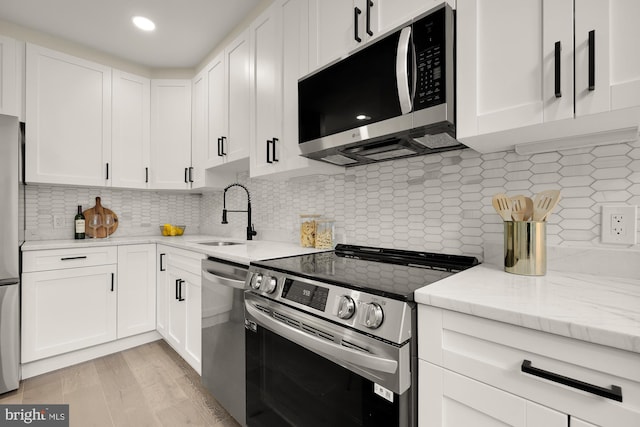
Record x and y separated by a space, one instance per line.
373 315
270 285
346 307
256 281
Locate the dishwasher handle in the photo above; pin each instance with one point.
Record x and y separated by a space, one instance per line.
222 280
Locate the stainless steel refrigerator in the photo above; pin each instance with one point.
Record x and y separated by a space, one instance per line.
10 241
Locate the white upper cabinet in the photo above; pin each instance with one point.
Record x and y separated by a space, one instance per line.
226 79
130 148
8 77
68 116
336 27
614 29
170 133
279 58
235 142
199 130
216 116
516 64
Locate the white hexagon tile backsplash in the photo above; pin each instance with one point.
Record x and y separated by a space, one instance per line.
440 202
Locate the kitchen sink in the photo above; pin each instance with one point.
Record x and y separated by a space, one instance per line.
220 243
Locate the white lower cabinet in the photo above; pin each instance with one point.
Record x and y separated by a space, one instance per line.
472 372
450 399
67 309
179 302
136 289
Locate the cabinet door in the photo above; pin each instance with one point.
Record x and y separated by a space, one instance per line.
68 112
176 315
193 333
266 93
162 290
499 65
66 310
131 126
615 81
170 133
136 289
450 400
217 115
389 14
8 77
331 30
199 130
237 61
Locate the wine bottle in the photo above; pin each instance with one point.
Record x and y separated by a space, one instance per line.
79 223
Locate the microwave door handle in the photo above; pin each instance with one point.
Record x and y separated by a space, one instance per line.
402 70
362 360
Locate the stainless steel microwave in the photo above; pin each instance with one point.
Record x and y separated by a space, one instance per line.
393 98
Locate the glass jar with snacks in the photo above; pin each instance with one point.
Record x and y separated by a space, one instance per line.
308 230
324 233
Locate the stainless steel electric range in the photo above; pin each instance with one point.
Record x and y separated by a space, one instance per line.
331 336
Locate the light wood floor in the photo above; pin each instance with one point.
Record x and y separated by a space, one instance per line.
148 385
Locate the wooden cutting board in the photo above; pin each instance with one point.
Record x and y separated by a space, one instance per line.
100 232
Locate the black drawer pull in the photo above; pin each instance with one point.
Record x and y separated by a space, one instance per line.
180 282
615 393
112 280
161 263
72 258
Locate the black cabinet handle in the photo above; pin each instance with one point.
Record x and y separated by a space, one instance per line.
615 393
592 60
112 280
107 171
186 173
162 263
191 174
222 139
268 152
356 13
273 150
146 174
369 6
177 291
558 49
69 258
219 147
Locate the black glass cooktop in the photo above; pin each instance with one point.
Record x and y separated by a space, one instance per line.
386 272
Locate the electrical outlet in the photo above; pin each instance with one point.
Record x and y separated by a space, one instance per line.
619 224
58 221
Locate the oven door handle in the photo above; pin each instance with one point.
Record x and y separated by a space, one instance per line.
344 354
225 281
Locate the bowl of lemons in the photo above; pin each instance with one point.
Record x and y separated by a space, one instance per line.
172 230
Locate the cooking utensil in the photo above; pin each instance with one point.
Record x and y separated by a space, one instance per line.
502 205
543 204
100 210
521 208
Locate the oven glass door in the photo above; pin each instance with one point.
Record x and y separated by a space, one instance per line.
288 385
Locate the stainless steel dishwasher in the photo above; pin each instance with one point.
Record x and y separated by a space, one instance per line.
223 357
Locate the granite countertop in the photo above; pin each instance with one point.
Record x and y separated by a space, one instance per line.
598 309
243 253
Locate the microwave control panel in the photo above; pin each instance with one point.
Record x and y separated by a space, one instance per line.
429 40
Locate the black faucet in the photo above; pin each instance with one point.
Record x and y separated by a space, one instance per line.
250 231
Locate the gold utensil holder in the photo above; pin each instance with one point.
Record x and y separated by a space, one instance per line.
525 247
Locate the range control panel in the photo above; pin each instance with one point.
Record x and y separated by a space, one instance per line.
383 317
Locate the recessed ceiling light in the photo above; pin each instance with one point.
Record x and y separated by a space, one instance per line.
143 23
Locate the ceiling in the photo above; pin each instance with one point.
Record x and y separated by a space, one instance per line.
186 30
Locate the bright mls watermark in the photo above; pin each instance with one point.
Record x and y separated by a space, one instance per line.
34 415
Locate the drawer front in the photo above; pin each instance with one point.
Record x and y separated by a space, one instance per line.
493 353
180 258
58 259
